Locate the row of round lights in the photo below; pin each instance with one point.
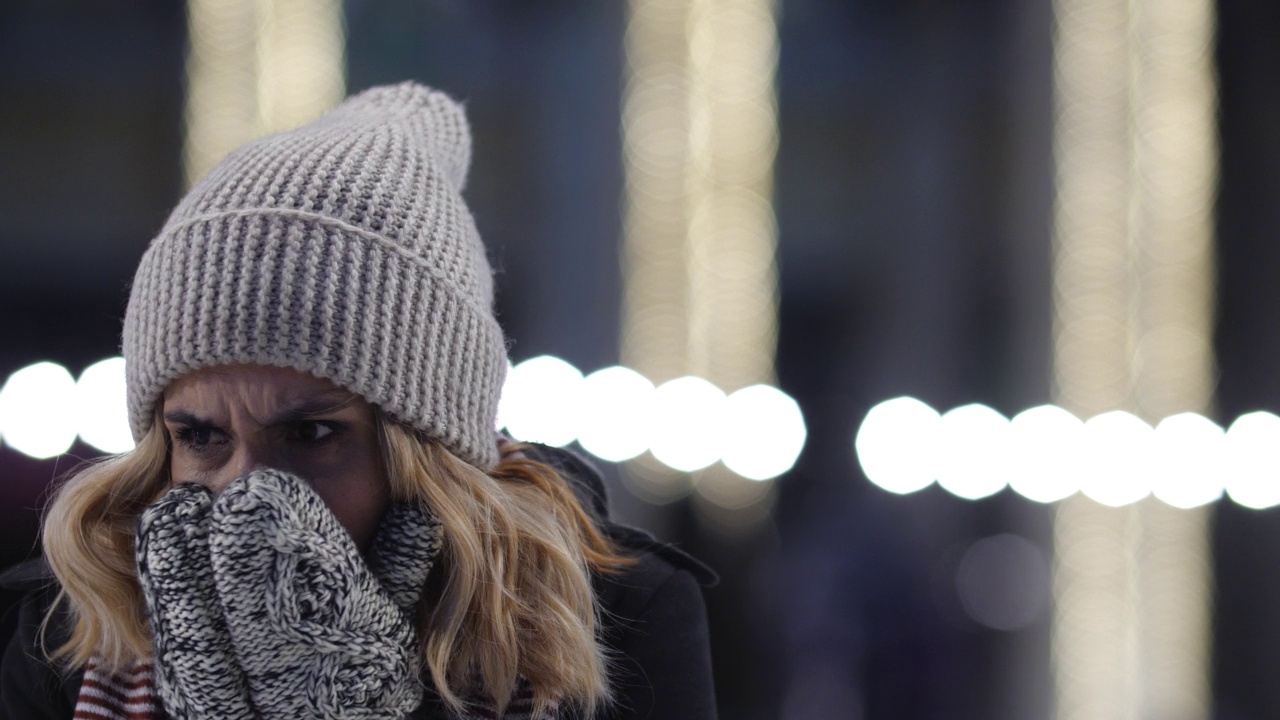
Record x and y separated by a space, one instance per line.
1047 454
616 414
43 408
687 423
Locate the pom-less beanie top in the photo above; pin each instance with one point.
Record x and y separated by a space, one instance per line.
344 249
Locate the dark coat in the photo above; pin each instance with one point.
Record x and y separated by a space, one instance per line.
652 615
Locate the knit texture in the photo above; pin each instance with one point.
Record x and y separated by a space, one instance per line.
126 695
262 606
314 631
187 628
344 249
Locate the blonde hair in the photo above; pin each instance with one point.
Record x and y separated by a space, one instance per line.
513 596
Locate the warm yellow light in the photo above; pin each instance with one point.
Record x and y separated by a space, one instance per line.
1135 152
699 136
300 61
222 106
255 67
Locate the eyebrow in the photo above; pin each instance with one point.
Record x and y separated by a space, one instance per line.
182 417
321 404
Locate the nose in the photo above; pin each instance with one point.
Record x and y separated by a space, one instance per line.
246 458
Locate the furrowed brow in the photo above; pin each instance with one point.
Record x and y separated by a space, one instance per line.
314 406
182 417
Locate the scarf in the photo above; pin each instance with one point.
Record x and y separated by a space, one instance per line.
262 607
130 695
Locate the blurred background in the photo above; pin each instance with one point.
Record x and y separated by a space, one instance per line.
996 205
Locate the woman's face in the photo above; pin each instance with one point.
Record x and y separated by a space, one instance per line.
226 421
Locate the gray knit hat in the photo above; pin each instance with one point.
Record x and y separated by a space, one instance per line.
343 249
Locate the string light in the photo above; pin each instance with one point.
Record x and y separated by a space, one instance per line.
37 410
615 413
101 409
1045 448
764 432
541 399
974 452
1047 454
897 445
1252 462
1190 461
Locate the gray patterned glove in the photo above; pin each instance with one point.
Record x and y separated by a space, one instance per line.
262 606
314 630
196 673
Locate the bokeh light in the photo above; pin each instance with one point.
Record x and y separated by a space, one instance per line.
1047 454
617 413
897 445
1117 458
101 409
1190 460
504 402
764 432
38 410
973 452
1044 446
689 423
541 400
1003 582
1253 470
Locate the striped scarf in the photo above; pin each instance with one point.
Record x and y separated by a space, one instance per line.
130 695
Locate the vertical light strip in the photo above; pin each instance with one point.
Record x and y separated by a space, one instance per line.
699 235
1175 152
656 128
222 105
1094 644
255 67
732 235
1094 640
301 63
1093 282
1134 145
655 288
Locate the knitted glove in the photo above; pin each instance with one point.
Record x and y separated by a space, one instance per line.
300 609
315 631
404 551
196 674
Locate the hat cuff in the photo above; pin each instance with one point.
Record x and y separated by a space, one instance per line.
311 293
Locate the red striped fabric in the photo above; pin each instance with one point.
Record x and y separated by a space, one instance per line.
127 695
130 695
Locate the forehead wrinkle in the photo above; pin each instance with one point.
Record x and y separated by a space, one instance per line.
315 406
199 400
269 402
262 397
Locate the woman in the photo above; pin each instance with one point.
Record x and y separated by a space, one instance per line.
318 519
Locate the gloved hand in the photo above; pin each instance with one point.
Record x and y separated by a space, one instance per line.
314 633
196 673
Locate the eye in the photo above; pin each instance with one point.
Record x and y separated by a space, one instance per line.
313 431
198 438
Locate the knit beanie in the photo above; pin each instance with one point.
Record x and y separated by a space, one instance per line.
343 249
